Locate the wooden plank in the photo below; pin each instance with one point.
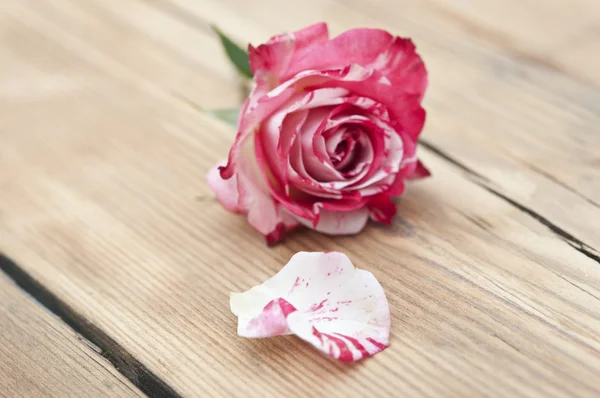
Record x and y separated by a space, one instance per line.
41 357
546 33
120 238
484 298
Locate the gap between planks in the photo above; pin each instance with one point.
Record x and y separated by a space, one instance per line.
98 340
486 184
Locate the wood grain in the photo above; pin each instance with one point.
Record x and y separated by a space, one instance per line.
103 200
41 357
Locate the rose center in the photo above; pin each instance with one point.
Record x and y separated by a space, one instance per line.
340 149
345 151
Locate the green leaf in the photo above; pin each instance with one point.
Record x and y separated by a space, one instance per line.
237 55
229 115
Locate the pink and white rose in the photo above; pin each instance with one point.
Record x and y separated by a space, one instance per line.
328 134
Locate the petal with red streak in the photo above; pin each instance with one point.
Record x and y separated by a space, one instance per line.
246 193
394 58
401 64
420 172
355 46
339 221
226 191
382 209
404 108
323 299
285 50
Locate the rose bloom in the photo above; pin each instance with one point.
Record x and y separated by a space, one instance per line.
328 134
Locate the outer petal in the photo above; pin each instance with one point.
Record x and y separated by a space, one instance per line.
245 193
248 125
276 56
226 191
401 64
393 57
382 208
355 46
339 222
322 299
412 119
420 171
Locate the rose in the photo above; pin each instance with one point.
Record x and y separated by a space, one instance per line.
328 133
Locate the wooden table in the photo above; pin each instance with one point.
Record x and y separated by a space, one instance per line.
491 268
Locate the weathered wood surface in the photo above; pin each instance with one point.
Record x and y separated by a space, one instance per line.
491 269
42 357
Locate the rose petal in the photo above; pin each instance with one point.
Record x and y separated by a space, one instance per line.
334 137
323 299
397 187
401 64
412 119
226 191
355 46
246 193
337 220
281 193
420 171
284 50
300 178
356 151
394 58
264 107
404 107
313 155
280 131
379 187
291 124
382 209
372 153
388 162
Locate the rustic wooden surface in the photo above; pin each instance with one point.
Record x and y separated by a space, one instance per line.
42 357
492 267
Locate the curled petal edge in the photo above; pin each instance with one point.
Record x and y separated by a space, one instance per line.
323 299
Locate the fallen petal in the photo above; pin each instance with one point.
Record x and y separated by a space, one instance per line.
323 299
